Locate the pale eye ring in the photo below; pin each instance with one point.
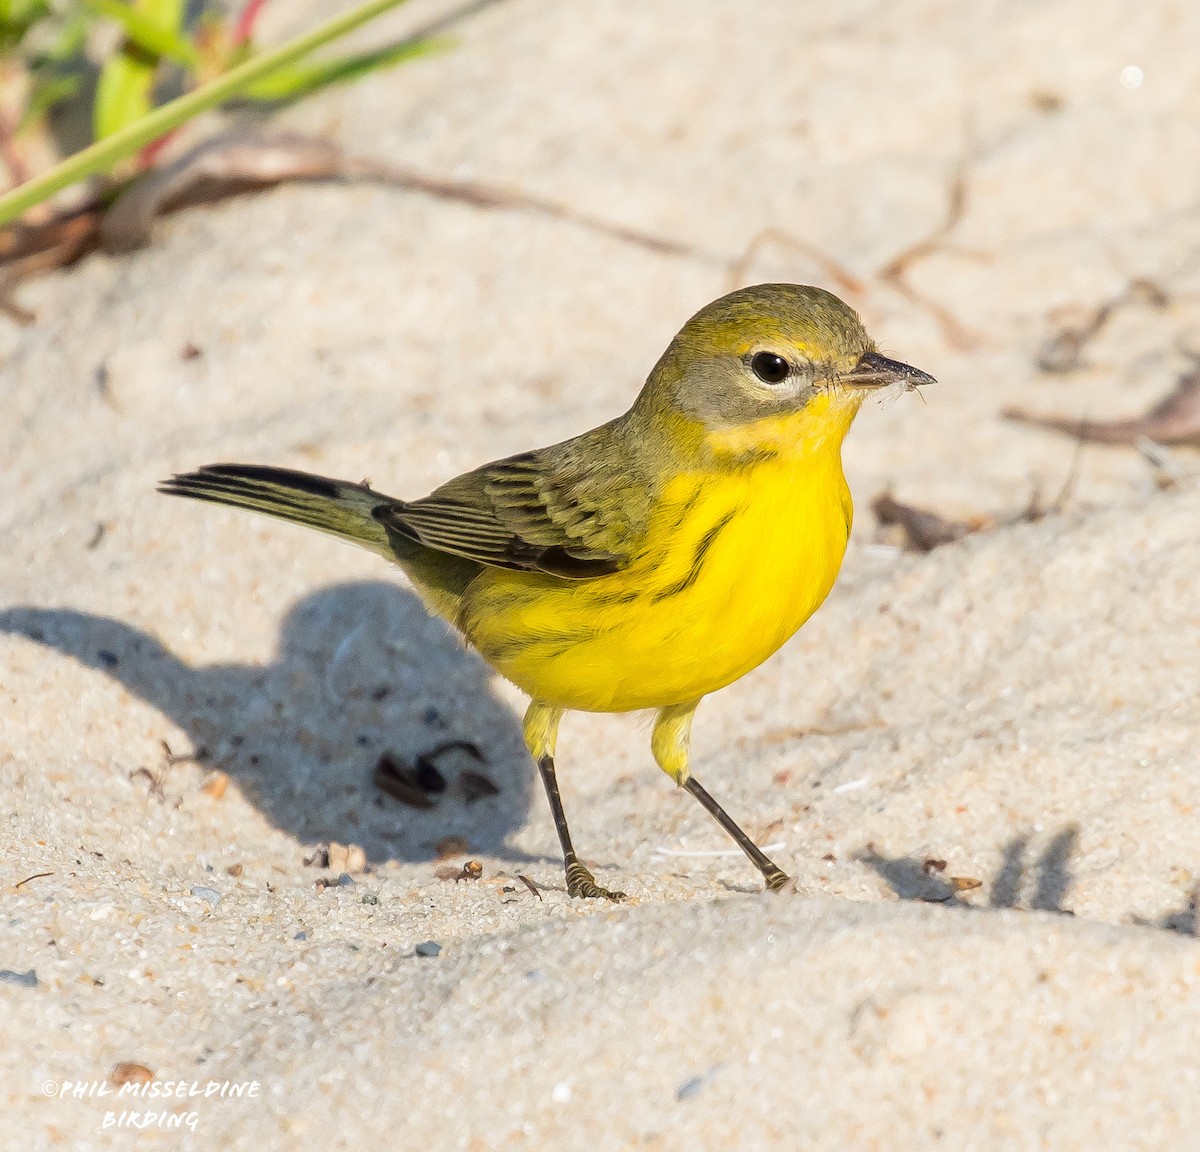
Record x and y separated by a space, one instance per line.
770 367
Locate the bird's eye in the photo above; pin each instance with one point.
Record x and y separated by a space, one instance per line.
769 368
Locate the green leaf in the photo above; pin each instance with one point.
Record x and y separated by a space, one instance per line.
70 40
17 17
104 154
305 77
168 13
124 92
146 27
20 14
45 95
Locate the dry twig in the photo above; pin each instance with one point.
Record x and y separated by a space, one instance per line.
895 272
239 162
850 284
925 530
1174 420
1063 352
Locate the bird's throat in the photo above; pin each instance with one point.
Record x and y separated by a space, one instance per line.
820 426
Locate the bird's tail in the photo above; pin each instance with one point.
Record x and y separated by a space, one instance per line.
333 506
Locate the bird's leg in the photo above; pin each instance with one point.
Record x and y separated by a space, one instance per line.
670 743
775 876
580 881
541 735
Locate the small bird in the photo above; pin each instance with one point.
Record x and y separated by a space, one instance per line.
651 560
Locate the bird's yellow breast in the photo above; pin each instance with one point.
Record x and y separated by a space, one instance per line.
737 556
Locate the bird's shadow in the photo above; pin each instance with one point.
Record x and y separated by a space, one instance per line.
361 670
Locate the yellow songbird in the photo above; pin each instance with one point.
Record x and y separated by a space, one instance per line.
651 560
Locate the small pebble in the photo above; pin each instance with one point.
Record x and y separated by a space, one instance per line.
300 936
209 895
216 785
428 948
130 1073
29 979
689 1088
346 857
369 898
345 880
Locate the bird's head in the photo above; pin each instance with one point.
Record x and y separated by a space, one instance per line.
772 360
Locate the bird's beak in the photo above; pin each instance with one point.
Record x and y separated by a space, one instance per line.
875 371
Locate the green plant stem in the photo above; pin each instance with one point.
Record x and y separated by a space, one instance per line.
102 155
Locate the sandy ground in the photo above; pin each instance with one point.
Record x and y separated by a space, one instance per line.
980 764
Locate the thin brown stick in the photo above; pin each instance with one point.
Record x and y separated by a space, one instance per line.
35 876
492 196
233 164
895 272
1174 420
530 885
850 284
1063 352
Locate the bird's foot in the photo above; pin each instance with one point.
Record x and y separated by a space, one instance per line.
581 883
776 878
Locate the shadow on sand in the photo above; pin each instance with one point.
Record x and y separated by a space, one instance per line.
360 669
913 879
1041 887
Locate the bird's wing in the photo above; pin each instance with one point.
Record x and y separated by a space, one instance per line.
570 511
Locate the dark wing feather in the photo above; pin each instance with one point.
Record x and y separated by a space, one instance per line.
563 510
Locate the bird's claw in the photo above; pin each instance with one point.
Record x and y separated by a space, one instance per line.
581 884
775 879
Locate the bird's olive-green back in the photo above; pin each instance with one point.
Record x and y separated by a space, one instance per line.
578 509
